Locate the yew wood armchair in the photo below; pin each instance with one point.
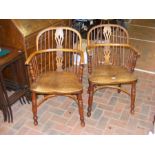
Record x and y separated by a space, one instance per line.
56 68
111 61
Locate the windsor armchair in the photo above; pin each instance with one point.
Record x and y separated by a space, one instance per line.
111 61
56 68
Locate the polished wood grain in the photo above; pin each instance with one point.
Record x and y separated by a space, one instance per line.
10 35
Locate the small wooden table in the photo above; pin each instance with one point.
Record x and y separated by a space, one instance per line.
15 59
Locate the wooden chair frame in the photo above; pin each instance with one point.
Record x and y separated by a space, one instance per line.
105 41
55 45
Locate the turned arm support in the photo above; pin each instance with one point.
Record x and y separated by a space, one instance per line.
31 72
89 56
81 66
131 62
31 66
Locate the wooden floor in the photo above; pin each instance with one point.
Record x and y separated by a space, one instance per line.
143 22
142 36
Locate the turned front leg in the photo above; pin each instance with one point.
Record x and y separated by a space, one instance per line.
133 95
80 106
90 99
34 108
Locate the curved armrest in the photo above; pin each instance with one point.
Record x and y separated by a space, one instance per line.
90 47
42 61
129 54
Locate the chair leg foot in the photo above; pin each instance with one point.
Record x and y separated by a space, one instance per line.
35 121
119 89
89 113
80 106
34 108
90 99
82 123
133 95
132 112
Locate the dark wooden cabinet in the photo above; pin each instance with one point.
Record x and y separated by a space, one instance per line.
15 60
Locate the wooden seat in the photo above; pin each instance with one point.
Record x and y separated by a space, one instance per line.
57 82
109 74
111 61
56 68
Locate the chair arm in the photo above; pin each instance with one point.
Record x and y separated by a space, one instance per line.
28 60
129 63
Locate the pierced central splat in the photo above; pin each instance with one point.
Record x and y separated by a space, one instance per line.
59 38
107 33
107 54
